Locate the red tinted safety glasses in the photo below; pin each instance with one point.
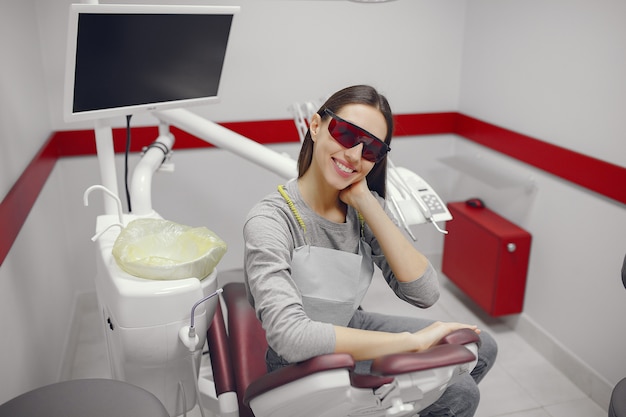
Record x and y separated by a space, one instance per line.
350 135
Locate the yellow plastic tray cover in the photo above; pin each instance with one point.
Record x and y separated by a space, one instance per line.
163 250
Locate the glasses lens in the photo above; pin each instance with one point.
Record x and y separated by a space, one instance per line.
349 135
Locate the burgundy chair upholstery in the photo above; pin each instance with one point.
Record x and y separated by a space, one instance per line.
246 342
238 355
221 362
449 352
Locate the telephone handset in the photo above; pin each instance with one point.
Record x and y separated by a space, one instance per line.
413 201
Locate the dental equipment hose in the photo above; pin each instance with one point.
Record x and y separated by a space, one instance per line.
196 378
192 335
192 329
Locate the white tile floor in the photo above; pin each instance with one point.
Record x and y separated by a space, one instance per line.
521 383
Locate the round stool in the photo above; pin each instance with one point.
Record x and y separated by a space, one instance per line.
85 397
617 407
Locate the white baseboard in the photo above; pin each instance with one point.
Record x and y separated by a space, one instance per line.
579 372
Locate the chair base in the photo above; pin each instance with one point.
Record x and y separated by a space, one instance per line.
617 406
85 397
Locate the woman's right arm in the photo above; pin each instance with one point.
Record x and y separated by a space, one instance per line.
367 344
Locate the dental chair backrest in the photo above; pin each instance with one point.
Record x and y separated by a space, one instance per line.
325 385
237 354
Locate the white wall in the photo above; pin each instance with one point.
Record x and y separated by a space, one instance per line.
24 121
284 51
426 56
555 70
35 296
551 69
37 290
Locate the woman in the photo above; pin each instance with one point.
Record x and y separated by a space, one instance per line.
311 246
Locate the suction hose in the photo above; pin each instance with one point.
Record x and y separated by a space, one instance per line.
190 339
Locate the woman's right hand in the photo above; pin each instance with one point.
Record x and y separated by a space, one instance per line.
431 335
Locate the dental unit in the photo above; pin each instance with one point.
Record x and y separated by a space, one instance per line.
152 338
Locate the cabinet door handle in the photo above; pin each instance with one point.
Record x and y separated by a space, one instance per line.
511 247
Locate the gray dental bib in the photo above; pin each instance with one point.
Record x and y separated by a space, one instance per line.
332 282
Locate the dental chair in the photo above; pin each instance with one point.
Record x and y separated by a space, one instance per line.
399 385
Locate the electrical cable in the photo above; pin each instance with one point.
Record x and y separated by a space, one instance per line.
181 389
196 377
126 161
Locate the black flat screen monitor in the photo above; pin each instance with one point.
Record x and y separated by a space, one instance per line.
125 59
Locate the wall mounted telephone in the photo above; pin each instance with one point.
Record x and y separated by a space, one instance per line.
412 200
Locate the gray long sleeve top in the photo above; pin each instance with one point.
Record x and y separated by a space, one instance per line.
271 233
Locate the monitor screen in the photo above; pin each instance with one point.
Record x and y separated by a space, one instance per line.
125 59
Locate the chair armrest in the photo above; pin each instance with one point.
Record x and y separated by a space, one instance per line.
449 351
461 337
369 380
297 371
435 357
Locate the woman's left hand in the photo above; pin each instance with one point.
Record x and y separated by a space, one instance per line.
355 194
407 263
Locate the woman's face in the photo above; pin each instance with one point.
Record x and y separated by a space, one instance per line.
342 166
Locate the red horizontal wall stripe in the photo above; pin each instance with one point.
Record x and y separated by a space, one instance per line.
22 196
83 142
266 131
424 124
594 174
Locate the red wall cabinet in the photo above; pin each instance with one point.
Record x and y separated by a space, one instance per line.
486 256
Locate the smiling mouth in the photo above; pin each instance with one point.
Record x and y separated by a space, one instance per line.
343 168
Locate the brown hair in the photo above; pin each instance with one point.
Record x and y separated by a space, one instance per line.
357 94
